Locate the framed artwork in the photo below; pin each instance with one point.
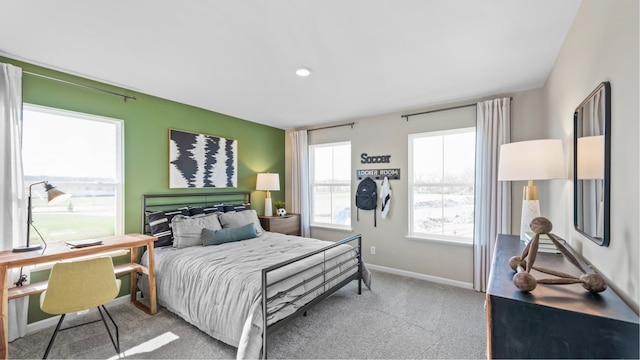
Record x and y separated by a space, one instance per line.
202 161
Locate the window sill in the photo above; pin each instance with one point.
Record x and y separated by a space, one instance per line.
439 241
329 227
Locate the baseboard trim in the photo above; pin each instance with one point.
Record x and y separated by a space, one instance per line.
415 275
52 321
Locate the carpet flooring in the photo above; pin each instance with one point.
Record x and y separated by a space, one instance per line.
400 318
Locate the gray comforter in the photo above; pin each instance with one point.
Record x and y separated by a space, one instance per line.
218 288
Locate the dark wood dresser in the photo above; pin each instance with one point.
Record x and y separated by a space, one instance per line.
288 224
554 321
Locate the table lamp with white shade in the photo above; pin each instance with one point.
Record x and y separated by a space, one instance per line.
528 161
590 166
268 182
591 157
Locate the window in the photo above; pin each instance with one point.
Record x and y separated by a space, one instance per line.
80 155
330 177
441 183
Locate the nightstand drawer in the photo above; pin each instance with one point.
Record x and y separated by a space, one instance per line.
288 224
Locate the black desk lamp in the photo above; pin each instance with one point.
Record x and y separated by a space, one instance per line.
54 196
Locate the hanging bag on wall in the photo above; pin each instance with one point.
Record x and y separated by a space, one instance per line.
367 197
385 196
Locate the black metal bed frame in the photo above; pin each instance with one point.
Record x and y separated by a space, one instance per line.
153 202
326 281
157 202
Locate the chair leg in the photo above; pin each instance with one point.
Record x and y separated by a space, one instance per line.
46 353
116 343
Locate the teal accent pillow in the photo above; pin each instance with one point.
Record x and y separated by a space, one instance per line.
221 236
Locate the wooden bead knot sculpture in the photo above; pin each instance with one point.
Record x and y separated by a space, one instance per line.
523 279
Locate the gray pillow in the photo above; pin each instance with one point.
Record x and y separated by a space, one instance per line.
217 237
187 230
241 218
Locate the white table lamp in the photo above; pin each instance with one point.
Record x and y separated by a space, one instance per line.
528 161
268 182
591 158
590 166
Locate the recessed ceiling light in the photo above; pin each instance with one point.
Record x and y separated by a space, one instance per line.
303 72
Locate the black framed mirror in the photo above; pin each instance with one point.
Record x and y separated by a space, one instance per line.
592 165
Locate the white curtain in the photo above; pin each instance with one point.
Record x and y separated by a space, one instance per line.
493 198
13 219
300 179
591 118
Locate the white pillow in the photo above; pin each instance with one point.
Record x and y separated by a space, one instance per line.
187 230
234 219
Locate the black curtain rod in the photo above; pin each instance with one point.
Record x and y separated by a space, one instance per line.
124 96
333 126
406 117
437 110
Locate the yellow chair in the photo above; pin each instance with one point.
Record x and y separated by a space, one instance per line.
81 285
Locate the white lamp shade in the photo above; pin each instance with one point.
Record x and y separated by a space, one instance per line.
268 182
532 160
590 157
56 196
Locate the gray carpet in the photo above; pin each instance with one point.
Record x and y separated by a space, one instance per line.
401 318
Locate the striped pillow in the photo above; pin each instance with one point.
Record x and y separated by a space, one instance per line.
237 207
206 210
160 225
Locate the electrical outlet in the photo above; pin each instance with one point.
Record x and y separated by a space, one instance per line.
372 250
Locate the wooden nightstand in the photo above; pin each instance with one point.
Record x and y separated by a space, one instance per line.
288 224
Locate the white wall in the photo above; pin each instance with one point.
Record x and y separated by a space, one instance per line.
602 45
388 135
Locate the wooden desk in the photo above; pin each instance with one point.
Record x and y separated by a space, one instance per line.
60 251
554 321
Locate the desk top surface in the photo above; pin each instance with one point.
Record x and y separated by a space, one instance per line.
59 250
567 297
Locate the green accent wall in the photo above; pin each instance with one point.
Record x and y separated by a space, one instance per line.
146 123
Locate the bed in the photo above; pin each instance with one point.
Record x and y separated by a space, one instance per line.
220 287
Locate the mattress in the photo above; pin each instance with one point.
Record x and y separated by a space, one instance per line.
218 288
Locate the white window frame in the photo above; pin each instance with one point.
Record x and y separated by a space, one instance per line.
426 236
312 184
119 183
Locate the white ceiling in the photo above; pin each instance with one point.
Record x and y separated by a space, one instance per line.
238 57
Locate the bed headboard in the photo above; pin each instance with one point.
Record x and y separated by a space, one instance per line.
157 202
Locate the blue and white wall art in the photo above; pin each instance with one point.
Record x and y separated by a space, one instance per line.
201 161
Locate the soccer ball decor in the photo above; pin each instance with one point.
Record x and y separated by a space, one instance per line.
281 212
